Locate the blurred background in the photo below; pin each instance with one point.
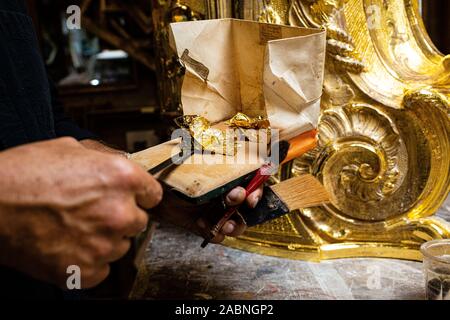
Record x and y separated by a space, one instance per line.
115 74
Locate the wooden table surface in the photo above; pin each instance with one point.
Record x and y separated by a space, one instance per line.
177 268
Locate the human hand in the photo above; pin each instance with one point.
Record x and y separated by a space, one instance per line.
62 204
197 218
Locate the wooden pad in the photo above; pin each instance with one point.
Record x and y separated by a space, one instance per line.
199 174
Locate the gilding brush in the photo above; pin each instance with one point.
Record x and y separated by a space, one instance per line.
300 192
287 151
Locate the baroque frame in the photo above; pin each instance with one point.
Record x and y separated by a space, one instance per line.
384 137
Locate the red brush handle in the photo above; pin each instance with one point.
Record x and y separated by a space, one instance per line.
261 176
297 146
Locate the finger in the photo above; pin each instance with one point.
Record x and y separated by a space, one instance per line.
218 238
233 229
150 194
138 223
254 197
120 249
104 249
203 229
147 189
235 197
228 227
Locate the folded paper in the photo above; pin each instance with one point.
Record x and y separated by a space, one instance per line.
238 70
255 68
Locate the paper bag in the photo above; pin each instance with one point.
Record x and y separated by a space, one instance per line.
255 68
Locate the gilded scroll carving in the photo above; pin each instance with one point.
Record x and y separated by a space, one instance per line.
366 155
384 137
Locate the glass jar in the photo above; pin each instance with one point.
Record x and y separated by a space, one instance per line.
436 264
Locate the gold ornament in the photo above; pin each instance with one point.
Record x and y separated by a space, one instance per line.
217 138
384 138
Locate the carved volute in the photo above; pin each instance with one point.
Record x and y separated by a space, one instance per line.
384 137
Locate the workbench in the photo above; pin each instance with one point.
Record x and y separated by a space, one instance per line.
175 267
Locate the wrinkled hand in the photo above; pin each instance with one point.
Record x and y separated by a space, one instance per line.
62 204
197 218
194 218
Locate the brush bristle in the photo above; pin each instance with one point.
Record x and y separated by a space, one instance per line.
301 192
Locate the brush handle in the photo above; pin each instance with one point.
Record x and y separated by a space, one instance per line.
261 176
269 207
297 146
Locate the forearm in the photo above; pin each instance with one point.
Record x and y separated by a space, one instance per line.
5 239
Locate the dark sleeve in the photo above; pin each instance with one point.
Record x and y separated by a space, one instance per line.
64 126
